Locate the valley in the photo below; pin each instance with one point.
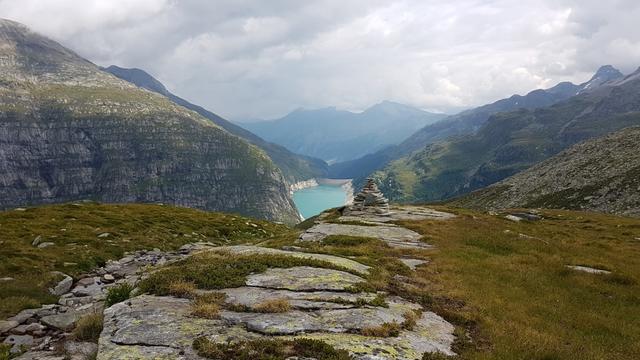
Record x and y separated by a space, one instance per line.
334 181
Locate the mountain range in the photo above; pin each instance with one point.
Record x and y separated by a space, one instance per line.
466 122
337 135
510 142
70 131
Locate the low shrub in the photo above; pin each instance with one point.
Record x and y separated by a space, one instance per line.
89 328
182 289
391 329
118 293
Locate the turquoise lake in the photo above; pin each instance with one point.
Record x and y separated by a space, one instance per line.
312 201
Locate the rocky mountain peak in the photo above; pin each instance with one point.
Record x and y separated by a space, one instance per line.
607 72
604 74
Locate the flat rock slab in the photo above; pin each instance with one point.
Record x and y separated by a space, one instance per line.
414 213
151 327
588 269
304 278
252 296
395 236
431 334
330 321
335 260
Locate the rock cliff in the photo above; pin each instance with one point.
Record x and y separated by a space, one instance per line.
71 131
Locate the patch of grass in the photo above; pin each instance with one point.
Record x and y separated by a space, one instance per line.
74 229
511 297
208 305
182 289
390 329
89 328
216 270
435 356
268 349
5 351
205 310
273 306
410 319
118 293
379 300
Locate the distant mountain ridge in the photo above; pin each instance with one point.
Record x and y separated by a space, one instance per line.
466 122
69 131
295 167
338 135
510 142
601 174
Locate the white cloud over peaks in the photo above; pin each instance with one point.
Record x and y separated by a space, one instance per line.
253 58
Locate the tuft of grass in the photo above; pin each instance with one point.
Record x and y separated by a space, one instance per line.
391 329
269 349
89 328
215 270
435 356
273 306
207 305
182 289
118 293
205 310
410 319
5 351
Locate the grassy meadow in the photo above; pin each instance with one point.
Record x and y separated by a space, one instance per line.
503 284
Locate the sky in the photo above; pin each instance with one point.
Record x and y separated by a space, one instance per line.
260 59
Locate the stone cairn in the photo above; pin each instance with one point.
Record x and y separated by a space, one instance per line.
369 200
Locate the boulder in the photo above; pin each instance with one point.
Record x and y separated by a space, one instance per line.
6 325
64 322
19 342
80 350
63 286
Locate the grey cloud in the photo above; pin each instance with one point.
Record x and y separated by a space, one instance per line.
251 58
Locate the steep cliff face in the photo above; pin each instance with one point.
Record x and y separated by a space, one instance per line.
71 131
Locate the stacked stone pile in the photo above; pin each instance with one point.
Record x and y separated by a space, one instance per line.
369 200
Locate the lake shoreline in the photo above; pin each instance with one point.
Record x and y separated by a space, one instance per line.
316 195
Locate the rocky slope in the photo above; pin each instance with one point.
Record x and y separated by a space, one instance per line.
510 142
295 167
467 122
71 131
600 175
335 135
298 294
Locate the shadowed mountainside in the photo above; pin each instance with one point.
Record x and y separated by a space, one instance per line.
295 167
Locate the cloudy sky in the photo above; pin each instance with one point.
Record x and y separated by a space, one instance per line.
264 58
